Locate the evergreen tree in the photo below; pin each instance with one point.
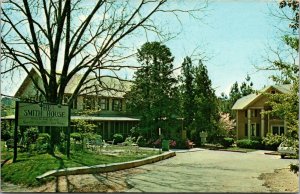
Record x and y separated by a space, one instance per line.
188 94
246 87
206 107
154 94
237 92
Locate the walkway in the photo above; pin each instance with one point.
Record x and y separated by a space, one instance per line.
207 171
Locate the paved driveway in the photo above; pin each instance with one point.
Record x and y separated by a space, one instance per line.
207 171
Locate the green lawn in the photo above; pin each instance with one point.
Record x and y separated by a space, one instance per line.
27 168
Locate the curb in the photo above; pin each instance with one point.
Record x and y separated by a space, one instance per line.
271 153
239 151
103 168
187 150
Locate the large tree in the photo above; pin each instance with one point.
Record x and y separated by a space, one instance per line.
61 38
154 93
187 94
205 107
286 106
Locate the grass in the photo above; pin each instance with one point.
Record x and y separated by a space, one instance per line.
4 153
27 168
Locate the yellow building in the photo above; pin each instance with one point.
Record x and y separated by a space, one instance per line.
102 104
249 118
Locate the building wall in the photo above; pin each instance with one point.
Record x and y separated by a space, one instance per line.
109 112
260 103
241 120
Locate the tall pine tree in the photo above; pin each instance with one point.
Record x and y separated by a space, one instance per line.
206 107
187 94
154 93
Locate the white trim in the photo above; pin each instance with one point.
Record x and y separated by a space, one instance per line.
262 123
249 122
276 125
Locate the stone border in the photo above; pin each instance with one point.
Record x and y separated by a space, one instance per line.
103 168
238 151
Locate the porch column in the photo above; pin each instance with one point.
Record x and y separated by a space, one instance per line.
249 123
262 123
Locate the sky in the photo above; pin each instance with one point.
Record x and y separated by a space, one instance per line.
234 38
232 35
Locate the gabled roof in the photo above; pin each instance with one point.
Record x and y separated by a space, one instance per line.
33 72
108 86
245 101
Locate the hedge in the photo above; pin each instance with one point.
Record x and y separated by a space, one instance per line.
248 143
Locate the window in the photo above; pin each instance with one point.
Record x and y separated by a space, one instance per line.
117 105
279 130
103 103
88 103
253 129
246 129
246 115
254 113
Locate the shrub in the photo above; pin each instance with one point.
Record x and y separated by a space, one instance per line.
96 137
227 142
172 143
30 137
43 142
143 142
118 138
6 133
129 140
255 138
76 136
248 143
92 136
43 138
271 141
157 143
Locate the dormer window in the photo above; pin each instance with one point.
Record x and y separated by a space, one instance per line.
117 105
102 103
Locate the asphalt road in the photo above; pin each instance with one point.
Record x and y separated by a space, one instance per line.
207 171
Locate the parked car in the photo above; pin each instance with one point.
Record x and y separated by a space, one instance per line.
286 148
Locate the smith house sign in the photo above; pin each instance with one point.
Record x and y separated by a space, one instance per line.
31 114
